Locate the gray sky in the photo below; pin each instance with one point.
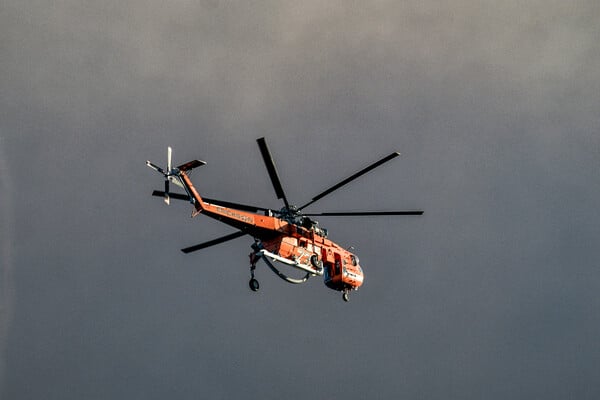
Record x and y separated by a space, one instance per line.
494 106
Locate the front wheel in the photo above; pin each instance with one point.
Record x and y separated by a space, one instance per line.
314 260
253 285
346 297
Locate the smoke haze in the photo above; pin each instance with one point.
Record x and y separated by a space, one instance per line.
493 293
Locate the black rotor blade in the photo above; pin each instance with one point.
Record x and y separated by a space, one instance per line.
213 242
177 196
229 204
351 178
155 167
270 164
365 213
237 206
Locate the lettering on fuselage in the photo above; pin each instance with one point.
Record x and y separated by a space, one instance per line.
232 214
352 275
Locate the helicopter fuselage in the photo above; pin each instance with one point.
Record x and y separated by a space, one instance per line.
288 235
298 242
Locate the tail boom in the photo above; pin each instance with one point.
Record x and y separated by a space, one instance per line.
189 187
263 226
254 224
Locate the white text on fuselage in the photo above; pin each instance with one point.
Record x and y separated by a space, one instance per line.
232 214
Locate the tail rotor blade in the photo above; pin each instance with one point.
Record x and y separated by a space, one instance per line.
167 197
168 175
177 196
169 151
155 167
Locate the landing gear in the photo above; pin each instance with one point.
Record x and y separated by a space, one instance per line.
253 284
346 296
318 264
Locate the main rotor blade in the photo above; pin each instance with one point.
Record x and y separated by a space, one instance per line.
270 164
365 213
167 198
213 242
237 206
351 178
229 204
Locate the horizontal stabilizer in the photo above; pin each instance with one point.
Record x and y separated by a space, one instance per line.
191 165
155 167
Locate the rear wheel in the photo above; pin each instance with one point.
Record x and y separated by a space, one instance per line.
253 285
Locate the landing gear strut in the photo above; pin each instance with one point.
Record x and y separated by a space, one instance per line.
318 264
259 253
254 286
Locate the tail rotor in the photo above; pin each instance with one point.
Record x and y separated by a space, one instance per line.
168 174
167 177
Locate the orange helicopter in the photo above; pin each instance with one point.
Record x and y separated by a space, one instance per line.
287 236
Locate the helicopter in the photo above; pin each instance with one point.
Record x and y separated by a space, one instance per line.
287 236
